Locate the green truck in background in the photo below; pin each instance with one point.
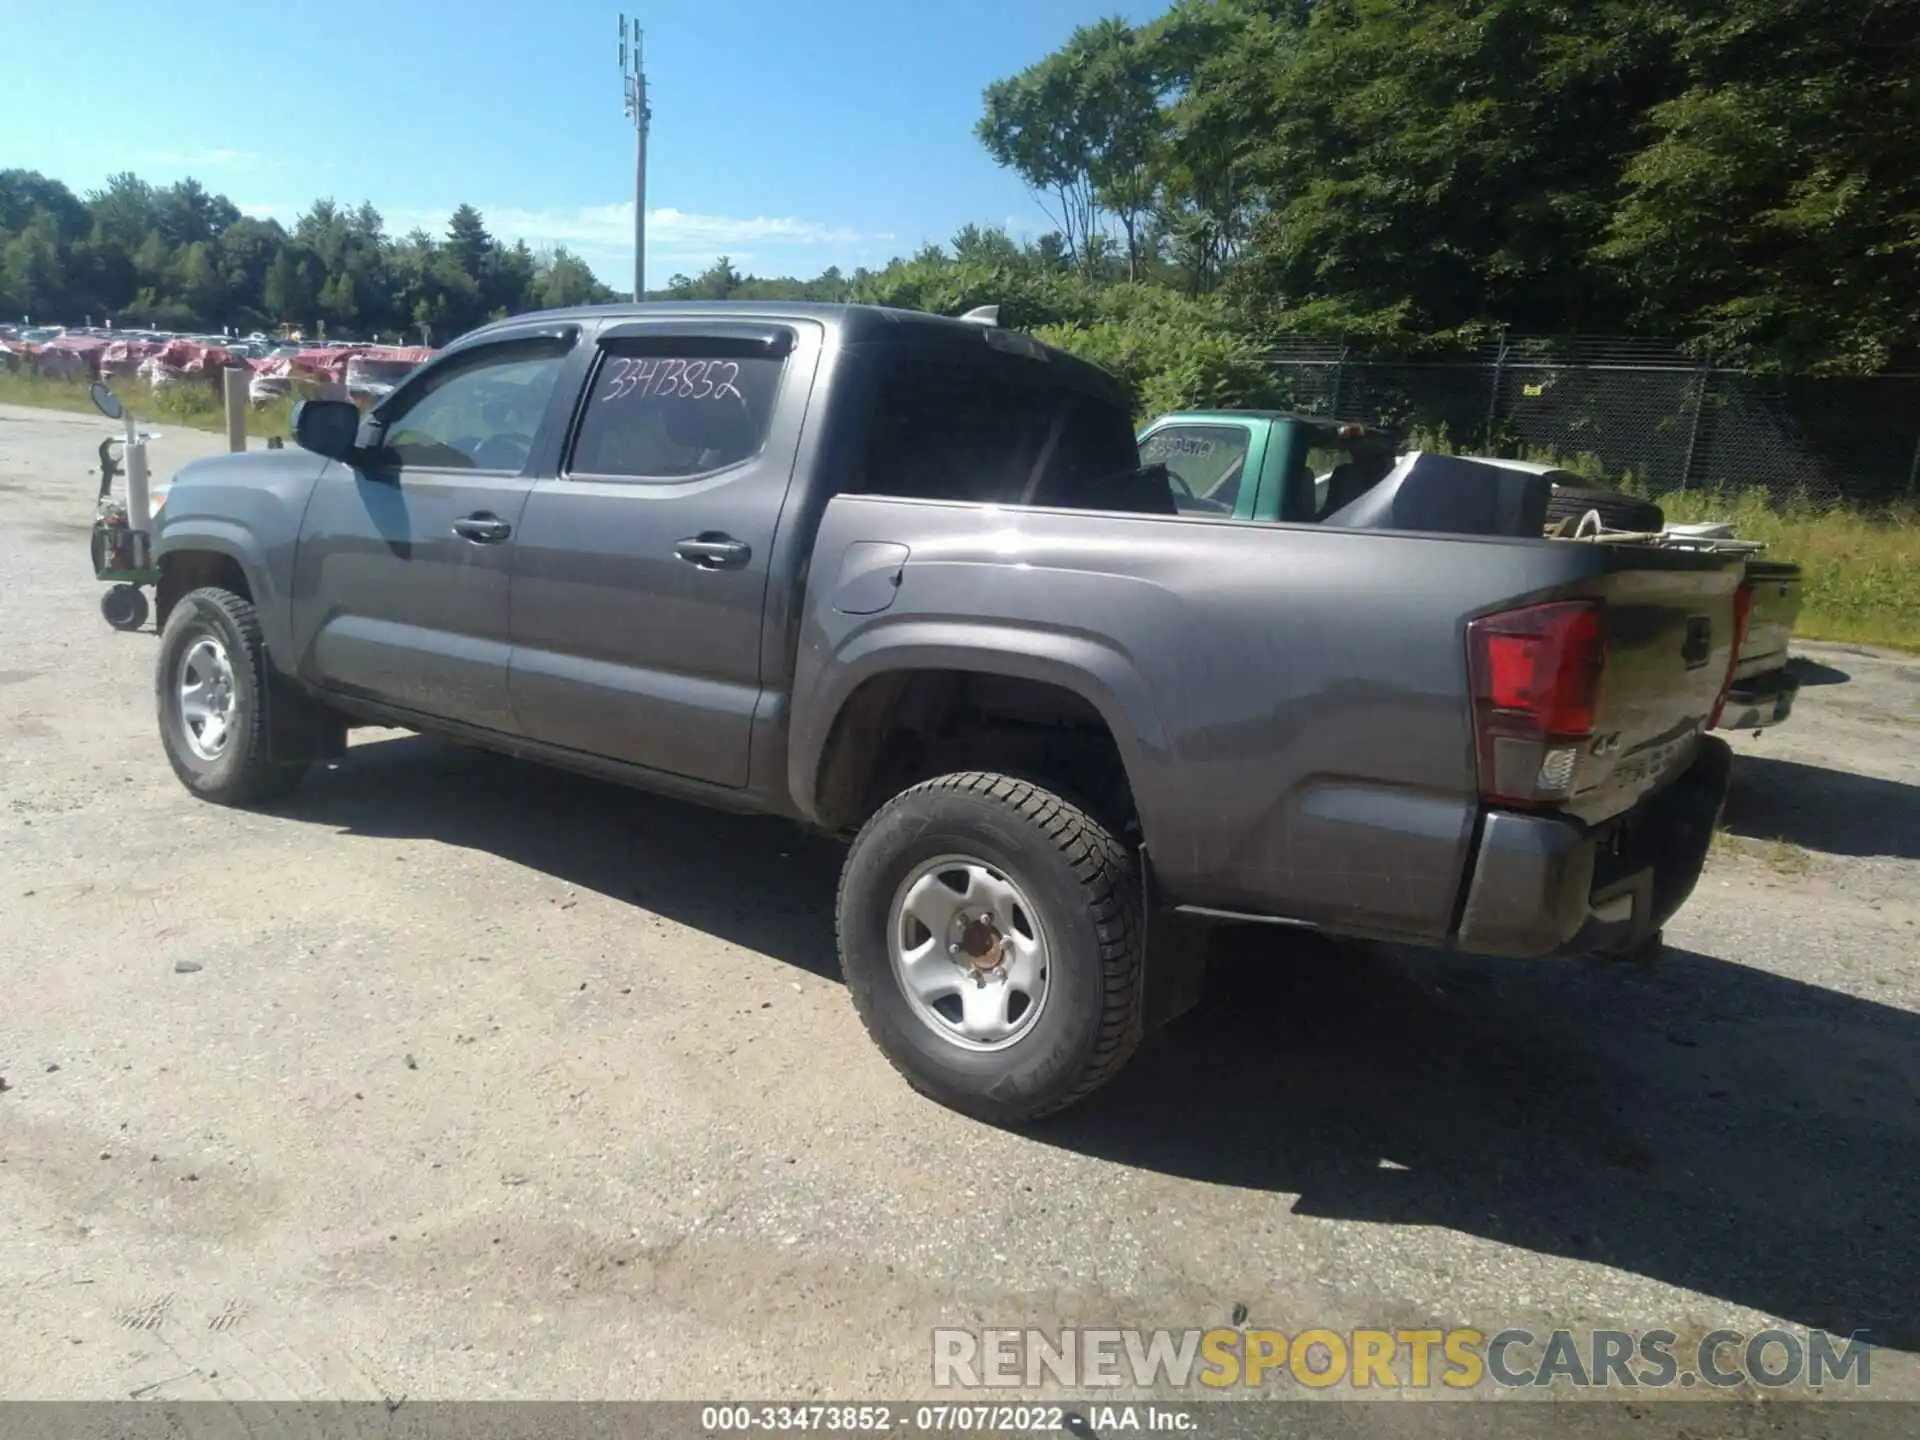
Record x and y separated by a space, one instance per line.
1271 465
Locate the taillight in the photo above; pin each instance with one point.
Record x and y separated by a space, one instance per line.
1742 613
1536 689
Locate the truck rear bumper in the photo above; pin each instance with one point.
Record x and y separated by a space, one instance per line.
1546 885
1765 699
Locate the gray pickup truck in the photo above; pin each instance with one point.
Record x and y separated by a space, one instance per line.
903 579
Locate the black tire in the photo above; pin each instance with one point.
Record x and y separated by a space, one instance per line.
124 607
1084 892
244 771
1618 510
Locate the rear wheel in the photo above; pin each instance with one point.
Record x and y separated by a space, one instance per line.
211 687
991 940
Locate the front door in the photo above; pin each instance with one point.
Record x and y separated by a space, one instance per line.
640 572
404 561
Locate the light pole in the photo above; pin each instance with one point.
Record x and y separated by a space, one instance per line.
633 83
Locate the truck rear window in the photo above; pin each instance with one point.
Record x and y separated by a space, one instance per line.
1208 464
951 430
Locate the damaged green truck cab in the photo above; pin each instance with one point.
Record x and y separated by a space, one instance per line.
1256 464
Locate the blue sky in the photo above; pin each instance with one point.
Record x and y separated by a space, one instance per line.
789 136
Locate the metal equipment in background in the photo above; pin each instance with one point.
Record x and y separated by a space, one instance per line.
122 539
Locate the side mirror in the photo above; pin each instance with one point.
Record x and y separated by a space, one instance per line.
326 427
105 401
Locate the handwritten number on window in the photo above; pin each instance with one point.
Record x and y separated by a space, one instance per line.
678 379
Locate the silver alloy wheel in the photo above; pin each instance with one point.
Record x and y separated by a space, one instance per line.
206 697
969 952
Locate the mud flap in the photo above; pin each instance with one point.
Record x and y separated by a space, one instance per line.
298 729
1177 947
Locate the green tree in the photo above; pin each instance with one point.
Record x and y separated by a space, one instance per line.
340 302
186 214
124 212
327 232
468 242
508 278
1776 211
1434 167
24 194
1032 126
199 284
566 280
719 281
153 260
1119 86
1218 60
287 294
247 250
32 278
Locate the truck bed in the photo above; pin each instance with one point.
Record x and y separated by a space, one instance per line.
1291 702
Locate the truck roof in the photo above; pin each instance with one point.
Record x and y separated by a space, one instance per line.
845 324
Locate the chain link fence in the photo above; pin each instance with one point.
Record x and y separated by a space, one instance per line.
1635 412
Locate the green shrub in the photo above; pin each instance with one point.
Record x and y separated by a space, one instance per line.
1173 352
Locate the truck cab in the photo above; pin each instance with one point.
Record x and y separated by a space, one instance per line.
1265 465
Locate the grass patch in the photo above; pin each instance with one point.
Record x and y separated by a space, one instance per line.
1862 571
1781 856
189 403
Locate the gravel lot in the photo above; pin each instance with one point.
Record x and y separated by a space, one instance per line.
457 1078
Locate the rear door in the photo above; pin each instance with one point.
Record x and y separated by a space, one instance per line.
640 570
402 571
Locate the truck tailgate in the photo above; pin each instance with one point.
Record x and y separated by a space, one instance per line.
1776 609
1670 627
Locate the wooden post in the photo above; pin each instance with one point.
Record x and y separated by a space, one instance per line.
236 379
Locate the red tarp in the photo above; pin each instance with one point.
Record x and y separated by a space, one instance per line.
189 357
70 357
189 360
377 371
123 357
329 366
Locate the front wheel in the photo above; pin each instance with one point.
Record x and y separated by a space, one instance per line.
991 939
211 687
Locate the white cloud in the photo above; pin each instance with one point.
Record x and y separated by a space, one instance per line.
606 228
205 159
602 235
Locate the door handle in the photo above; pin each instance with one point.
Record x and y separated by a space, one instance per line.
483 529
711 550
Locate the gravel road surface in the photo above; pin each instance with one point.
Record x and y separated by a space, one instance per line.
457 1078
